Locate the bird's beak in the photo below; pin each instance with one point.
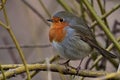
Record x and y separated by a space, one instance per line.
50 20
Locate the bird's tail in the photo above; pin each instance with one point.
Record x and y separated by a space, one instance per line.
105 53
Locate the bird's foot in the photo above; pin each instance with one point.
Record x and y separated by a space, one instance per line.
66 64
77 71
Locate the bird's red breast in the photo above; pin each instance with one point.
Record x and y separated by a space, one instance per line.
57 32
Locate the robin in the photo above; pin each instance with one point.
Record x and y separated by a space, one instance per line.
72 37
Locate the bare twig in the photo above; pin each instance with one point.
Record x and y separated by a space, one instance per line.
35 11
8 28
24 46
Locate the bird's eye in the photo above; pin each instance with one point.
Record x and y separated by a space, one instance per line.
61 20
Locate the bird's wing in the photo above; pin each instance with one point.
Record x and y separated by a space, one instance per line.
86 35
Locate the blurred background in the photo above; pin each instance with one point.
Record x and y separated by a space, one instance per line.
28 22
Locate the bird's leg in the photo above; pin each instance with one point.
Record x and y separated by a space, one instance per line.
78 68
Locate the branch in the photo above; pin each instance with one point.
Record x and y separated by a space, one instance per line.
2 4
53 67
106 14
111 76
12 35
101 23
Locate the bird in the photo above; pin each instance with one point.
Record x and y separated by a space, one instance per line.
72 37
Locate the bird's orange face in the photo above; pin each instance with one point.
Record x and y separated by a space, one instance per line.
57 32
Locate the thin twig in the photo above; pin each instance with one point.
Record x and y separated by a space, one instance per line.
99 58
64 5
24 46
106 14
45 9
36 12
15 42
103 26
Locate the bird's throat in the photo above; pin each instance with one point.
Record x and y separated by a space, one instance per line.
57 32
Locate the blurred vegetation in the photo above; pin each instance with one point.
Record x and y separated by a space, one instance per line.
84 9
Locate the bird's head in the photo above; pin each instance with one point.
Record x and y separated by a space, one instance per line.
59 21
61 17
